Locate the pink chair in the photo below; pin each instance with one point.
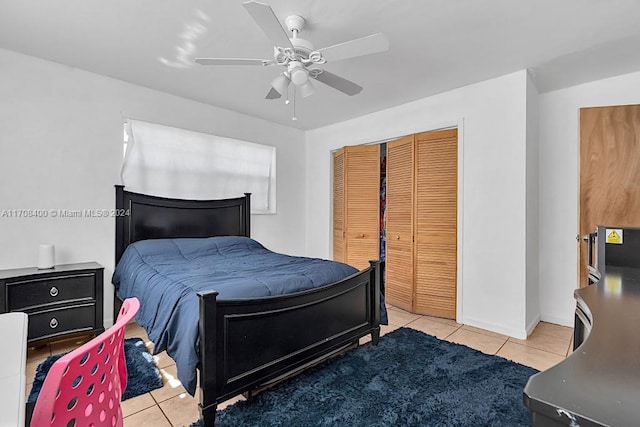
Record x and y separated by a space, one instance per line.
84 387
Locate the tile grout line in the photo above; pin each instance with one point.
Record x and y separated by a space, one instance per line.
538 349
165 415
503 344
569 348
456 330
143 409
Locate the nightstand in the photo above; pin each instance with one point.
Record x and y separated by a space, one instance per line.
61 300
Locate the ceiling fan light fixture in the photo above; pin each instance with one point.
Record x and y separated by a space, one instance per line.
281 83
299 76
307 89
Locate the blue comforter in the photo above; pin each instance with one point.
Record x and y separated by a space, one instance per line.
164 275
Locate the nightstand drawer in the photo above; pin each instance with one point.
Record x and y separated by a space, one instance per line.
51 290
43 324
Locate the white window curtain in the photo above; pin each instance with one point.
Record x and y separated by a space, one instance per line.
170 162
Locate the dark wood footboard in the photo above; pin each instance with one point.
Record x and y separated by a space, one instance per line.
245 344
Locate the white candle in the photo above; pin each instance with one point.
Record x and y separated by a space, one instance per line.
46 256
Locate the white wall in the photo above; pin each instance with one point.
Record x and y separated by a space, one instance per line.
492 117
559 186
533 172
61 148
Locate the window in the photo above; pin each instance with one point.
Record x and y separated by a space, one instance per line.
170 162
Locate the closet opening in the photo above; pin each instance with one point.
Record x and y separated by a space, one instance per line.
409 186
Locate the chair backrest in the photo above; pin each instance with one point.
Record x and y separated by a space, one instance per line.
84 387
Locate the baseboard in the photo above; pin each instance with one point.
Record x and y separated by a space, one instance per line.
108 322
500 329
531 326
558 320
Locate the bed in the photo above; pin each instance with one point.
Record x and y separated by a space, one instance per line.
243 343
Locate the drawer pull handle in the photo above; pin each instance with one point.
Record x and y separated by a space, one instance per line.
53 323
53 291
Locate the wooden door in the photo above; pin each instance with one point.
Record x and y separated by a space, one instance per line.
338 207
436 213
609 171
399 287
362 204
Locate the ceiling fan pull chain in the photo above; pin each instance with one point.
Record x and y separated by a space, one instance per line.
294 118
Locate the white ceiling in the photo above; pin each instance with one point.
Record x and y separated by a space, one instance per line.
435 46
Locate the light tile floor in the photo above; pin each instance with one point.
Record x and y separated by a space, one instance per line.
171 406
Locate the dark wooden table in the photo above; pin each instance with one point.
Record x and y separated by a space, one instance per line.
599 383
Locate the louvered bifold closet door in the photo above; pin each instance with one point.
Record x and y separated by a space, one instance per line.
338 206
362 204
436 223
399 223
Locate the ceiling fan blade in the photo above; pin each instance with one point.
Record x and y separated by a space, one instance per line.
358 47
267 20
339 83
273 94
233 61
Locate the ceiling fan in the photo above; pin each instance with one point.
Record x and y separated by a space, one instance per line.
299 57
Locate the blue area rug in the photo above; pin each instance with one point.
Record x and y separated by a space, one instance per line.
142 373
409 379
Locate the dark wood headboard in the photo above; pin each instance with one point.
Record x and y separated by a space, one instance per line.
139 217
